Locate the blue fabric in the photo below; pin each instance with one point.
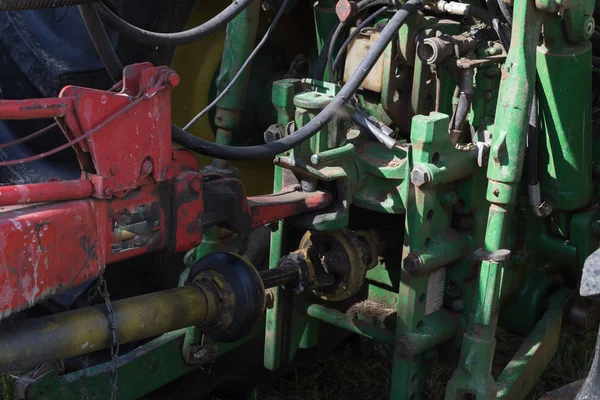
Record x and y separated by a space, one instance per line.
36 49
46 44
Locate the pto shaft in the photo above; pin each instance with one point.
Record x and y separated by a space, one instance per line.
25 345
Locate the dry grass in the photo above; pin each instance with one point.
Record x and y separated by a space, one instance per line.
364 373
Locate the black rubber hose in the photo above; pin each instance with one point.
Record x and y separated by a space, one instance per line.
533 145
359 28
492 6
139 35
505 11
17 5
101 42
272 149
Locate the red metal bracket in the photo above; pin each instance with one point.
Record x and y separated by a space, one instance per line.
137 194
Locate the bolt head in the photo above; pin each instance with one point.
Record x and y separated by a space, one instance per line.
272 134
345 9
590 26
148 167
108 192
172 79
413 263
420 176
113 170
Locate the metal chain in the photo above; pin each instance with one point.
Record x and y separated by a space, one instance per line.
91 295
114 348
100 288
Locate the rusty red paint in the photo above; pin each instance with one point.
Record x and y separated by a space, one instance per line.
287 203
189 205
345 9
48 247
132 132
36 108
77 227
44 192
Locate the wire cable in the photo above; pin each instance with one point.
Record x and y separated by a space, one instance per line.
143 36
70 143
28 137
272 149
242 68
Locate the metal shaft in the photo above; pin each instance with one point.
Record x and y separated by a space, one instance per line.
279 276
24 345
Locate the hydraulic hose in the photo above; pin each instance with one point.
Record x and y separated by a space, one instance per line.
17 5
272 149
505 11
142 36
533 146
101 42
355 33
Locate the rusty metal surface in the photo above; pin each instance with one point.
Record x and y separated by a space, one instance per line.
44 192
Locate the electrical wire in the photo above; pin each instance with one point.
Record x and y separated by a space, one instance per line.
70 143
143 36
274 148
242 68
28 137
355 33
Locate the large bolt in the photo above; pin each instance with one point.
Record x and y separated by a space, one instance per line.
413 263
172 79
420 175
272 133
147 167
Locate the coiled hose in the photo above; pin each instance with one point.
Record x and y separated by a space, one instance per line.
143 36
17 5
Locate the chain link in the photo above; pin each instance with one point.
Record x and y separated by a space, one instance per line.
114 348
100 288
91 295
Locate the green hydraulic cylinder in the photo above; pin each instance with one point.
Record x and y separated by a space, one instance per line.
239 42
565 106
